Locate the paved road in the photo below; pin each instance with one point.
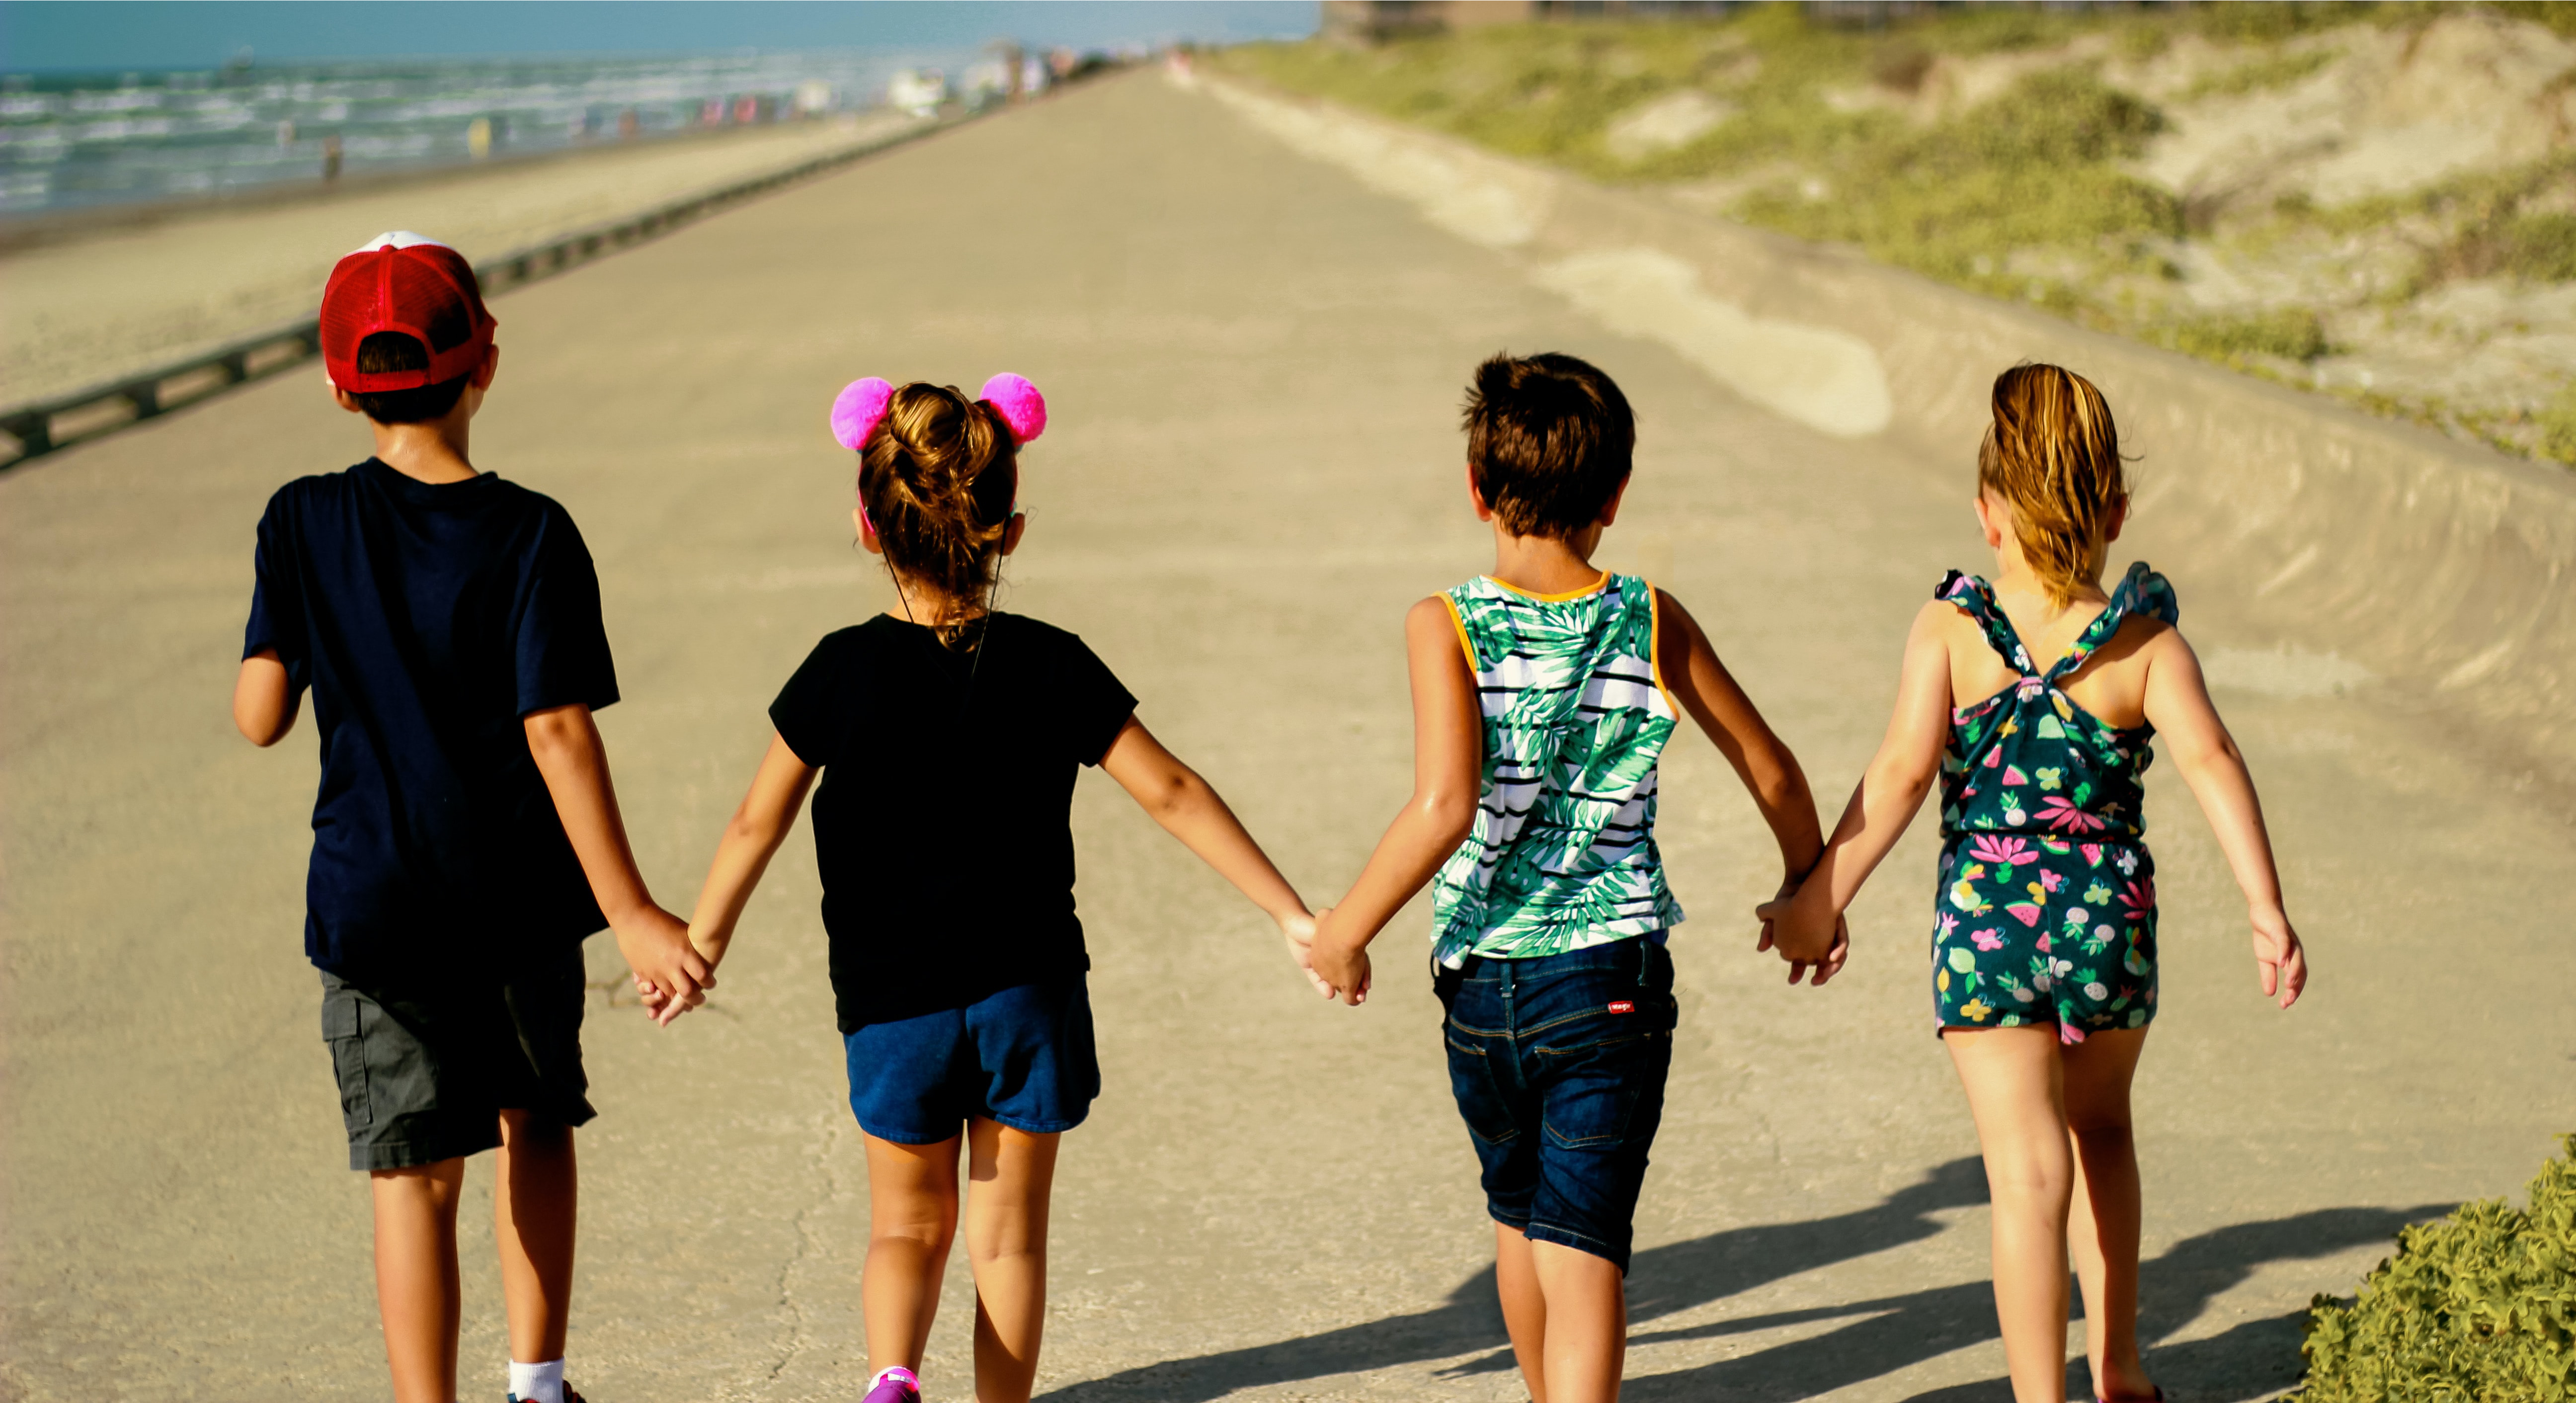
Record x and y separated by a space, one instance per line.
1254 366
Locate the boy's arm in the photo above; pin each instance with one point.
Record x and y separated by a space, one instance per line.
570 755
1701 683
2178 706
1191 810
1448 761
1890 790
750 840
264 701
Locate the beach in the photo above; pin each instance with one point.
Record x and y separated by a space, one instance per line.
116 299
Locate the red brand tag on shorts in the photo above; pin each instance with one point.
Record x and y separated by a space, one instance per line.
1622 1006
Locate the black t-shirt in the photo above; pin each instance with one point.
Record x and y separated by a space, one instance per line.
943 824
428 619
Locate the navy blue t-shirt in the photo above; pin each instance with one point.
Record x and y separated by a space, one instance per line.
428 619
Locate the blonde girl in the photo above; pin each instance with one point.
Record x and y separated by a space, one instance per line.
2033 701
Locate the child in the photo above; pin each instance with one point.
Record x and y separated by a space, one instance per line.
1543 694
2034 700
465 838
948 740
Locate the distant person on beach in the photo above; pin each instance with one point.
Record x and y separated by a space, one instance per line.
2034 702
1543 696
948 736
465 837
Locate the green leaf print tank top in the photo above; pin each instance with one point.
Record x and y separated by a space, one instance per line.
1562 855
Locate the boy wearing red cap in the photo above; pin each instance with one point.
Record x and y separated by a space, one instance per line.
465 837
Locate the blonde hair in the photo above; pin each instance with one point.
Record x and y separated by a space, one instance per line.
938 478
2053 455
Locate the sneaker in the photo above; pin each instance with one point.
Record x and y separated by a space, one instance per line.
569 1396
895 1385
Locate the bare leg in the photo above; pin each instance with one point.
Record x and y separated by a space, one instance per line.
536 1196
2014 1090
416 1286
1524 1307
2102 1221
912 1219
1012 1175
1587 1323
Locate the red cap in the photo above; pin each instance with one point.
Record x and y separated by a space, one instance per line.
401 282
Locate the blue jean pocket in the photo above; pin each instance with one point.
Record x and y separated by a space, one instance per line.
1480 1097
1598 1070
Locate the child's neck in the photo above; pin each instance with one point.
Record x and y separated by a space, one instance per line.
931 607
432 452
2013 575
1546 564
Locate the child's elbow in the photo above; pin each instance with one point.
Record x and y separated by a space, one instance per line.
1450 815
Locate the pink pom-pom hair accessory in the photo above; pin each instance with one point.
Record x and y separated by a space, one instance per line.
861 406
858 409
1021 406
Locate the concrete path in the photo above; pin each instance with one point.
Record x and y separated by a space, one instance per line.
1254 367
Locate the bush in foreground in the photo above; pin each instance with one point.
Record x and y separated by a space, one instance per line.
2477 1308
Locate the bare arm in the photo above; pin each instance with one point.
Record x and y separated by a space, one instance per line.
1448 756
1890 791
1190 809
1770 773
264 703
759 825
2178 706
569 753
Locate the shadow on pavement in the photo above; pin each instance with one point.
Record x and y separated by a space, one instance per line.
1882 1336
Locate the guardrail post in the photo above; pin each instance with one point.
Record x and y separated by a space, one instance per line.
34 433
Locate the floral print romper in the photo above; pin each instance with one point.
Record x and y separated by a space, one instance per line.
2047 908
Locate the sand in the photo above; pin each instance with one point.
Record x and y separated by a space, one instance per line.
122 300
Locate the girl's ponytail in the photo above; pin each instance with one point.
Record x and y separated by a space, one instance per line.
2053 455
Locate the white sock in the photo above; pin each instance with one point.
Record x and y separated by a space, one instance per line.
537 1383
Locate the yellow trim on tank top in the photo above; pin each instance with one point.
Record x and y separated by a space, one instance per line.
1593 588
1655 643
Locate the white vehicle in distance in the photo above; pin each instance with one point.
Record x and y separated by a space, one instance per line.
917 91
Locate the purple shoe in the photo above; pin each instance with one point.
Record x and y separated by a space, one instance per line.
895 1385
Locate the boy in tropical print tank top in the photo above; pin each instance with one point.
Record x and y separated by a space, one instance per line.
1543 696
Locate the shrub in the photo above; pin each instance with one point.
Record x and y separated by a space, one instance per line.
2292 333
2477 1308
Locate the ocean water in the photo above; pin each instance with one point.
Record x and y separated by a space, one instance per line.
69 141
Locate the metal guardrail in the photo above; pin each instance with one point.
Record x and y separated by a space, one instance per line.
59 421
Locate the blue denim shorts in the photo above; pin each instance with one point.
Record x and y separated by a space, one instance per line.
1558 1064
1023 1057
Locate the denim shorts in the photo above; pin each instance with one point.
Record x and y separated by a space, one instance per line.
1023 1057
425 1072
1558 1064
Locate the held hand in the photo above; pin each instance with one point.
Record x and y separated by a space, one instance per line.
1299 932
2279 959
1804 937
656 946
1342 964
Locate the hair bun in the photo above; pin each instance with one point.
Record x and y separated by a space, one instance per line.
1019 403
